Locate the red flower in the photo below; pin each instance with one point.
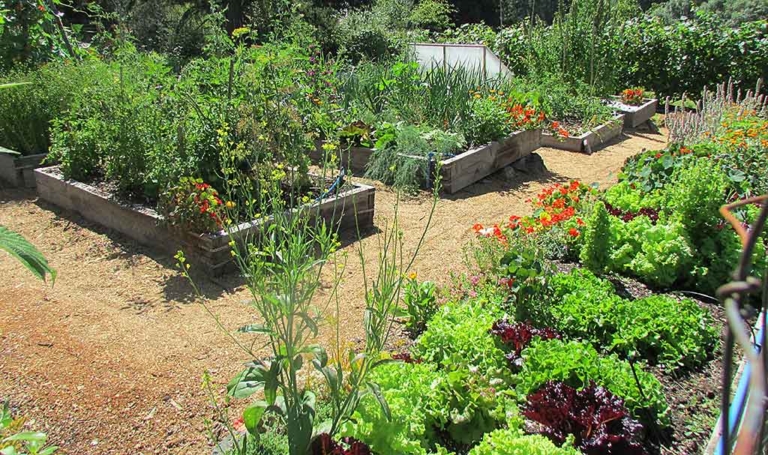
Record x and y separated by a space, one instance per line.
477 228
239 425
508 282
579 221
573 232
658 155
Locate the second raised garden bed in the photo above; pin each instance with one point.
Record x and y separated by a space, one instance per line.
462 170
589 141
17 170
209 252
635 116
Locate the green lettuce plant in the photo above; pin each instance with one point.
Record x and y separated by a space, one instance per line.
513 441
597 236
417 397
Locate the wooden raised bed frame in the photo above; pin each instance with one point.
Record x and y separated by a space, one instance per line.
462 170
635 116
209 252
589 141
17 170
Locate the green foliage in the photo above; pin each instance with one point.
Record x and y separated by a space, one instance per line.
31 34
486 122
457 338
595 252
433 15
658 254
403 152
514 442
416 395
578 363
582 306
26 111
16 442
420 303
361 37
26 253
695 198
718 256
660 329
671 332
700 51
573 104
623 196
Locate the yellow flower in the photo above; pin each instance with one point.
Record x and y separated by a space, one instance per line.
477 96
230 204
412 275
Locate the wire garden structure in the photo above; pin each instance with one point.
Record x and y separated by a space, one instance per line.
741 428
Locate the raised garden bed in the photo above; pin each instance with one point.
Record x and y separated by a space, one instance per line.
635 116
17 170
209 252
464 169
589 141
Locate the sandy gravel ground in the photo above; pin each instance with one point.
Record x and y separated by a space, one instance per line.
110 359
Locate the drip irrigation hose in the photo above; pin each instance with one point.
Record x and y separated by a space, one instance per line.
334 186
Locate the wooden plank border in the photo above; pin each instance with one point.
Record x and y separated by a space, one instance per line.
588 142
17 170
635 116
461 170
210 252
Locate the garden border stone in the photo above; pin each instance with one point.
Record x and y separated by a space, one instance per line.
588 142
208 252
635 116
17 170
462 170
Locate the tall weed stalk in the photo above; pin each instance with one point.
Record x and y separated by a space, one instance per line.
283 263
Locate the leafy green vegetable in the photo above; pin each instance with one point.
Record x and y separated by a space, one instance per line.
577 364
514 442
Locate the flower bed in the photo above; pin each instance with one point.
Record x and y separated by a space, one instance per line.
17 170
587 142
211 251
460 171
635 116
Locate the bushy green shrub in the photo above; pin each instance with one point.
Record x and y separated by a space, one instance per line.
117 129
27 111
578 363
486 122
515 442
360 36
690 54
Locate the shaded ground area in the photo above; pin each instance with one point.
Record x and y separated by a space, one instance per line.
110 359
